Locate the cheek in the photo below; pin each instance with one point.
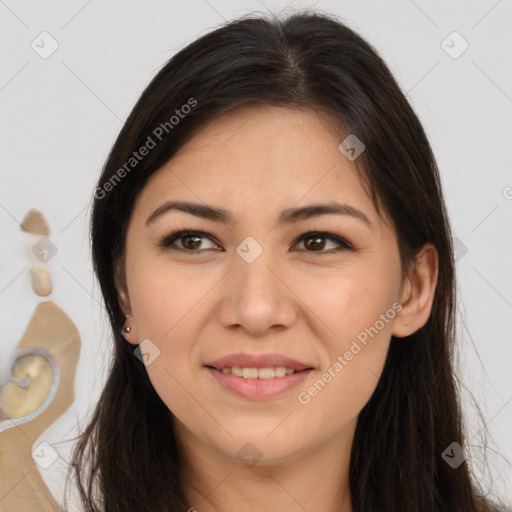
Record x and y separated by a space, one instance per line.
164 297
357 312
349 301
170 307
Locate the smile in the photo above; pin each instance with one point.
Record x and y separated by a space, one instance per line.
258 373
258 383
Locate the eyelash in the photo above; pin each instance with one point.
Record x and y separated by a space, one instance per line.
168 240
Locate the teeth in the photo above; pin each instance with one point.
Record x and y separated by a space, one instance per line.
259 373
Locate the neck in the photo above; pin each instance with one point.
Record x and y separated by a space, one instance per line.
316 478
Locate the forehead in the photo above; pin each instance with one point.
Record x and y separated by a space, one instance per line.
258 158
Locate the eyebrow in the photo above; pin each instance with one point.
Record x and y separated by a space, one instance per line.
288 216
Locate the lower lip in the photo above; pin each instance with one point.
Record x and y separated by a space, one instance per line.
259 389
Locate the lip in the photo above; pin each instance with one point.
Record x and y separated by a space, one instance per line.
271 360
258 389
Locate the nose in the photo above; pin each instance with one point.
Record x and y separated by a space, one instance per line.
256 297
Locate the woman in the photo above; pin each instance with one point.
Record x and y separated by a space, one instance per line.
272 244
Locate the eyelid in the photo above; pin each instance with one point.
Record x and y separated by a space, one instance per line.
167 241
341 241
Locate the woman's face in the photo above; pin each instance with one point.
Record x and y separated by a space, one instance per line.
250 285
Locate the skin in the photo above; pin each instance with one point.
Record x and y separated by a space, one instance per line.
307 304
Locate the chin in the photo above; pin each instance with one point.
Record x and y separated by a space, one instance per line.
256 447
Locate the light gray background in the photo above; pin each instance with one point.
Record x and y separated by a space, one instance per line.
61 115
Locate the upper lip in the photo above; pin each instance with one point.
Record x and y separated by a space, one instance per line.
242 360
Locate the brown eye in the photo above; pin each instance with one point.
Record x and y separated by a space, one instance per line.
187 241
316 242
191 242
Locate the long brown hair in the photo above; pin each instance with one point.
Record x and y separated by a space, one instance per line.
127 459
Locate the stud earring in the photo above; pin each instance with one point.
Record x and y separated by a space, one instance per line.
127 328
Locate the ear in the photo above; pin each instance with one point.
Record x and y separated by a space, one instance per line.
124 302
417 293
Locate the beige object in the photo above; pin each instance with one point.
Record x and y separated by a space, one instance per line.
34 375
34 222
41 282
40 390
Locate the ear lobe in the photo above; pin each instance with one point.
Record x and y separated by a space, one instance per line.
418 293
